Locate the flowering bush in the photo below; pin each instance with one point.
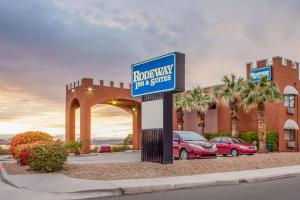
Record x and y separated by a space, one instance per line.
22 152
27 138
47 157
24 157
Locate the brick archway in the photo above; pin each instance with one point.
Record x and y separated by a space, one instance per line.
84 94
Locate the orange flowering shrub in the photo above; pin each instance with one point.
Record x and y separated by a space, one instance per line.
28 138
22 152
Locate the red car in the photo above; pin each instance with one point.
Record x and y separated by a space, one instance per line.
233 146
187 145
105 148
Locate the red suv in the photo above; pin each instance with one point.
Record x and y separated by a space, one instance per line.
233 146
187 145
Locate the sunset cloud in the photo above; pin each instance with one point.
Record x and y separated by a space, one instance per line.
45 45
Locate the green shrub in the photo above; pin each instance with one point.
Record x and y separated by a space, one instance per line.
250 137
128 140
95 149
4 151
213 135
272 138
48 157
120 148
75 146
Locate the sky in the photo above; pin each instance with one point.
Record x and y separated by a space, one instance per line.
47 44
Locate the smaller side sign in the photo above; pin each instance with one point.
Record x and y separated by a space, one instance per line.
257 74
162 74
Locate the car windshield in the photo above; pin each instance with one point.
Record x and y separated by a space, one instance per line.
237 140
191 136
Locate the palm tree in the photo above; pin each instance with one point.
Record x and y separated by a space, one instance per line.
75 146
179 104
230 94
255 95
200 101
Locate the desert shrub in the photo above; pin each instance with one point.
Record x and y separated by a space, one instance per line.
128 140
28 137
48 157
4 151
250 137
213 135
22 152
95 149
120 148
75 146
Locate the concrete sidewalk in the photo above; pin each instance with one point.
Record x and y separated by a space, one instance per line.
58 183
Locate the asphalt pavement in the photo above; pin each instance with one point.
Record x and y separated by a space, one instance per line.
277 189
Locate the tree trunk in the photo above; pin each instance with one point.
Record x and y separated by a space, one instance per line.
234 118
234 131
201 120
262 128
179 116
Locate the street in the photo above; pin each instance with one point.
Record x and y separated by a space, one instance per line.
279 189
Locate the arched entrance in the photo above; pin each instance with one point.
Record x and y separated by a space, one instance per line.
84 94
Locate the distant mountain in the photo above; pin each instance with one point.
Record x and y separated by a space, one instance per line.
96 141
6 136
5 139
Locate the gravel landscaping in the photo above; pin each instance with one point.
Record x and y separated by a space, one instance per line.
114 171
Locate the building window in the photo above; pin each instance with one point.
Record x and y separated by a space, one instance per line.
289 101
289 135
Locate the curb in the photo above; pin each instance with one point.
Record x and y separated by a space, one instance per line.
3 177
160 187
166 187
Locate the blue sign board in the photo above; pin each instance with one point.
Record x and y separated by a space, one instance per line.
257 74
153 76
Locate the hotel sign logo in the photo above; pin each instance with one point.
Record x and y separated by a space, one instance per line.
257 74
156 75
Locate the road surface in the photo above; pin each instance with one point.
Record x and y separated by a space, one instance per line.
279 189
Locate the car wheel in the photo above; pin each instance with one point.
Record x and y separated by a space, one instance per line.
184 155
234 152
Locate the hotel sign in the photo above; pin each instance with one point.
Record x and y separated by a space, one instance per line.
257 74
161 74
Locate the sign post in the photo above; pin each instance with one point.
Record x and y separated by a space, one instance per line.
156 80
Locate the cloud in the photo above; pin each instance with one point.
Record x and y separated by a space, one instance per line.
103 111
47 44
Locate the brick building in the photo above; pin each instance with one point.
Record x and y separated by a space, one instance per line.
282 118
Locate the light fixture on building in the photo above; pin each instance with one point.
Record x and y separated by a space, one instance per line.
90 88
73 90
133 108
114 102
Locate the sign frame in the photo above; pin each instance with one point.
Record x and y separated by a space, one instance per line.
267 68
157 135
178 60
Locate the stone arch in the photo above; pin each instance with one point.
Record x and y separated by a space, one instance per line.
70 125
84 94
